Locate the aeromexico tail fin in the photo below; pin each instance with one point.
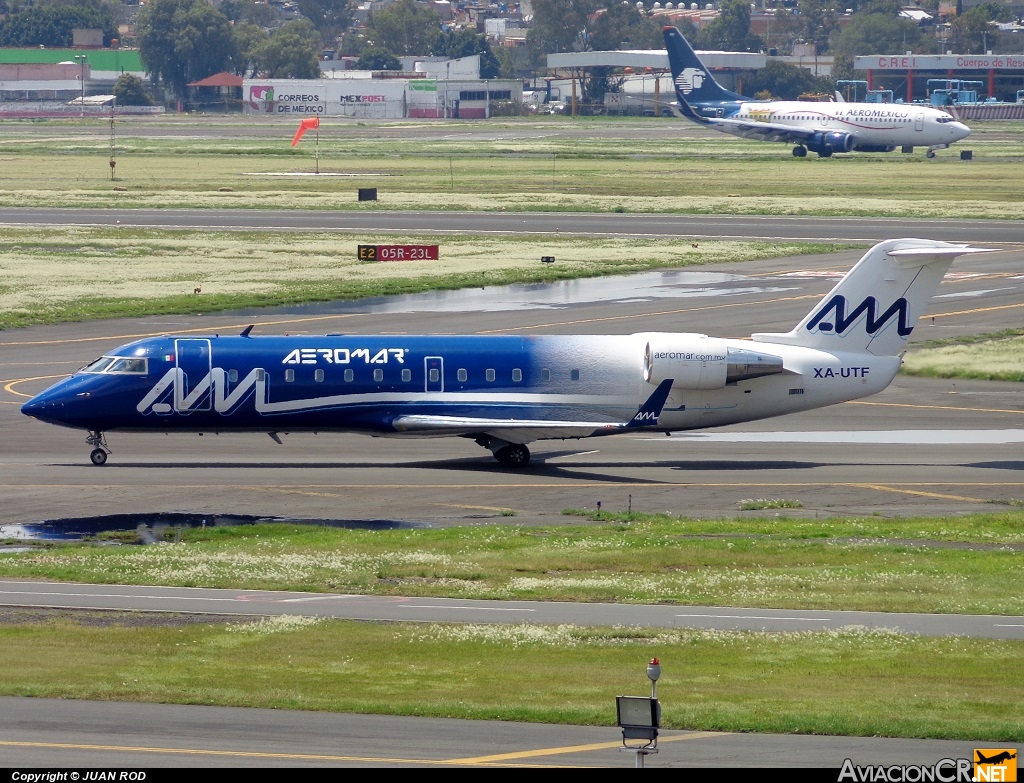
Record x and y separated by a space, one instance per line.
874 308
693 82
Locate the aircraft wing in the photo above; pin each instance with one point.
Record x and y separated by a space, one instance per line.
748 129
763 131
526 430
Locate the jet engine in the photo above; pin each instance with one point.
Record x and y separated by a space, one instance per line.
699 362
830 142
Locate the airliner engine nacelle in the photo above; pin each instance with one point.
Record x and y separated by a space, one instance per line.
699 362
831 142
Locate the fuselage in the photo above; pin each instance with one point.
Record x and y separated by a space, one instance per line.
370 383
872 125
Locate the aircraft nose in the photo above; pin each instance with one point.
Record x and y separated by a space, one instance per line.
962 131
40 408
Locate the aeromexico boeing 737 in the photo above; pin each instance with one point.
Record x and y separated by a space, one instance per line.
505 392
823 127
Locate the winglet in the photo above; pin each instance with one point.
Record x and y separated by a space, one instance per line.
245 332
686 110
650 411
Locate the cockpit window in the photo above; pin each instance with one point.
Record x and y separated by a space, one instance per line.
118 365
99 365
127 366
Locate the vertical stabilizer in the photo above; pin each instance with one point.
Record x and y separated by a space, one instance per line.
874 308
695 86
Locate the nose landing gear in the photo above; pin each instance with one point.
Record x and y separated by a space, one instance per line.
98 455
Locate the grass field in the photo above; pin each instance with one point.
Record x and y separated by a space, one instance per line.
997 357
849 681
587 164
968 564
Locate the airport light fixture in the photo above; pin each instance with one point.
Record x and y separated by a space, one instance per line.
639 717
82 60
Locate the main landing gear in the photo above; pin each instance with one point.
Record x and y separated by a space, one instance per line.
515 455
801 152
511 455
98 455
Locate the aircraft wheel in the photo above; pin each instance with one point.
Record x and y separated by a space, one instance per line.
930 154
515 455
799 152
98 457
825 153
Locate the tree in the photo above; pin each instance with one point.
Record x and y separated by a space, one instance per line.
291 52
880 34
249 11
587 25
330 17
248 40
130 90
787 82
51 24
730 32
181 41
404 28
558 26
819 19
466 43
378 60
622 26
971 33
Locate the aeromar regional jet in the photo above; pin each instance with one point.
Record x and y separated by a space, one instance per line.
823 127
505 392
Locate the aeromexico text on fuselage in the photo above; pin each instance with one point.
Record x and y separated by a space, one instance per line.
756 110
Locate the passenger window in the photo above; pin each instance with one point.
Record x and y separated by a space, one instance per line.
545 374
378 375
517 375
233 376
289 375
574 375
435 375
489 375
463 375
349 375
406 375
261 375
318 376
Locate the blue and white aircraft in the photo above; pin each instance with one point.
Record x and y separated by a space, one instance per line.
505 392
823 127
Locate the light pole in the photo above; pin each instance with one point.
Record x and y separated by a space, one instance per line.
82 59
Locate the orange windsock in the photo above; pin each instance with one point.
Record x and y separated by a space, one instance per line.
305 125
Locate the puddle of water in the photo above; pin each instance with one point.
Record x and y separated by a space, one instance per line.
648 286
152 526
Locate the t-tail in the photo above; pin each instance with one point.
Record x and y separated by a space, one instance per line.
874 308
696 89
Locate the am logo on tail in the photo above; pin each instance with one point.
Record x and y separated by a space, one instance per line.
823 127
505 392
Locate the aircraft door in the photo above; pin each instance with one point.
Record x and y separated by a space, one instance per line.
194 360
433 367
919 123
